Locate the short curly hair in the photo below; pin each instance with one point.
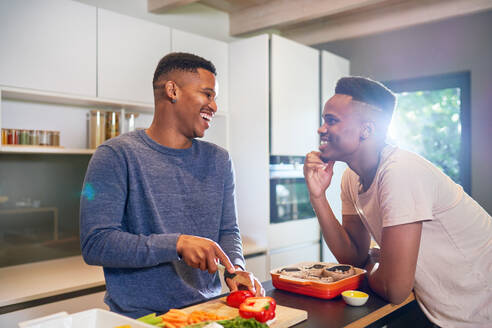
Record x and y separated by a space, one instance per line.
368 91
181 61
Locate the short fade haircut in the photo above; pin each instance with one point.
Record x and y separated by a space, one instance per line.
367 91
181 61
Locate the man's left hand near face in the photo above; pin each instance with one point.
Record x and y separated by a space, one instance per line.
245 279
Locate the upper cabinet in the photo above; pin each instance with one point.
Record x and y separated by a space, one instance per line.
218 53
294 97
333 68
129 50
48 45
249 134
215 51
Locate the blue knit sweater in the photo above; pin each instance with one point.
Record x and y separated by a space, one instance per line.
138 197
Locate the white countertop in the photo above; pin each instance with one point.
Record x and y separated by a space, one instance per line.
250 247
33 281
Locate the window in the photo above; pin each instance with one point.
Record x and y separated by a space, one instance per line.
432 119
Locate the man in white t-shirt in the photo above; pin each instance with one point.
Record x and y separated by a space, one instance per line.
434 238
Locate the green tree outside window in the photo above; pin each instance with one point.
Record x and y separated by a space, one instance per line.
428 123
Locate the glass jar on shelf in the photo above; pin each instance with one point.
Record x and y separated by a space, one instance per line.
44 138
34 137
24 137
13 137
97 128
5 133
131 121
112 125
55 138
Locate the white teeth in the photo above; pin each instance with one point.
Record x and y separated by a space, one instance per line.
206 116
323 142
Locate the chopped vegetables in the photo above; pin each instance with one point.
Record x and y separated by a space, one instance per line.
150 319
239 322
235 299
177 318
260 308
200 316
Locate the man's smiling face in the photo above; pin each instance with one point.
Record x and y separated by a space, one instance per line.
341 129
196 106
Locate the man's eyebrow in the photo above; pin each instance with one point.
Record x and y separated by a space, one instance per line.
330 115
209 89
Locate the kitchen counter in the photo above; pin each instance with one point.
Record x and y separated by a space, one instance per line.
335 313
32 282
251 248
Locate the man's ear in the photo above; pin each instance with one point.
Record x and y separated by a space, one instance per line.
368 130
171 89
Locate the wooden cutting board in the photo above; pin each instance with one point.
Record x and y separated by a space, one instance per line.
284 316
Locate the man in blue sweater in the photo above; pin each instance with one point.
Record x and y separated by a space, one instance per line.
157 209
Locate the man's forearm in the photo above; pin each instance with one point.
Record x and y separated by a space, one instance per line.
336 237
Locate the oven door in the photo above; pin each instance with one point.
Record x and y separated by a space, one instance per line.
289 200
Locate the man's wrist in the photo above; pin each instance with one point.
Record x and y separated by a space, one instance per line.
318 198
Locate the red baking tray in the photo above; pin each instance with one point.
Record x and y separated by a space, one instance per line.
314 288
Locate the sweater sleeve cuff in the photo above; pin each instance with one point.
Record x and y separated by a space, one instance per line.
239 262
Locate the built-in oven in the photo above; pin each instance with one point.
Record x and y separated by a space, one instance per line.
289 196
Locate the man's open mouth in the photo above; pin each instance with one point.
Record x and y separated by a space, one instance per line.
206 116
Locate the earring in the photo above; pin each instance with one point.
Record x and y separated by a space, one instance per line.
173 101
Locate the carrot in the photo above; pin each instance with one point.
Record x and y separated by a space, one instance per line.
175 318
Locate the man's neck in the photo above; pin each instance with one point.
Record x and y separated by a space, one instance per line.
366 164
168 137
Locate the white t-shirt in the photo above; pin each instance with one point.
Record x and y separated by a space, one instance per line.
453 279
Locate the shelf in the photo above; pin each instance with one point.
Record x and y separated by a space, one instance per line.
24 149
66 99
75 100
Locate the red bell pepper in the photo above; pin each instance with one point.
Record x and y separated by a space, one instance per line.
260 308
236 298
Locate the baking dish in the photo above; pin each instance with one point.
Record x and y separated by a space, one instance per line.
325 290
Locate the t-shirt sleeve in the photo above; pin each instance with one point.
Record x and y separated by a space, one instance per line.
348 207
405 194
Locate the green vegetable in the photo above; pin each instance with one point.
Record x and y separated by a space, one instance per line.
147 317
239 322
150 319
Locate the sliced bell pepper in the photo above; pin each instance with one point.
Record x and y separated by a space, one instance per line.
236 298
260 308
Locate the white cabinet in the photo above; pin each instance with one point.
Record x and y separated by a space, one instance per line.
258 266
306 253
294 97
218 53
333 67
48 45
218 131
215 51
249 134
129 50
293 232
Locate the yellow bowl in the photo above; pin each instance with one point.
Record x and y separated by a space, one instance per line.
355 297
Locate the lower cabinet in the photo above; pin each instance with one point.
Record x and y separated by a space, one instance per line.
295 254
71 305
258 266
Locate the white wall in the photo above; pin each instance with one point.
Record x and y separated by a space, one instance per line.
195 18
